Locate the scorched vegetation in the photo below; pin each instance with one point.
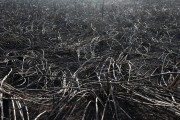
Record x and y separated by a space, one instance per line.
90 59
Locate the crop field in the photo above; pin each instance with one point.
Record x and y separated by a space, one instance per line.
90 59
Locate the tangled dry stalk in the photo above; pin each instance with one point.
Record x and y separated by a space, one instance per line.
73 59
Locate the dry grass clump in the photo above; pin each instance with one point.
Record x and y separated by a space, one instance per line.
71 60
